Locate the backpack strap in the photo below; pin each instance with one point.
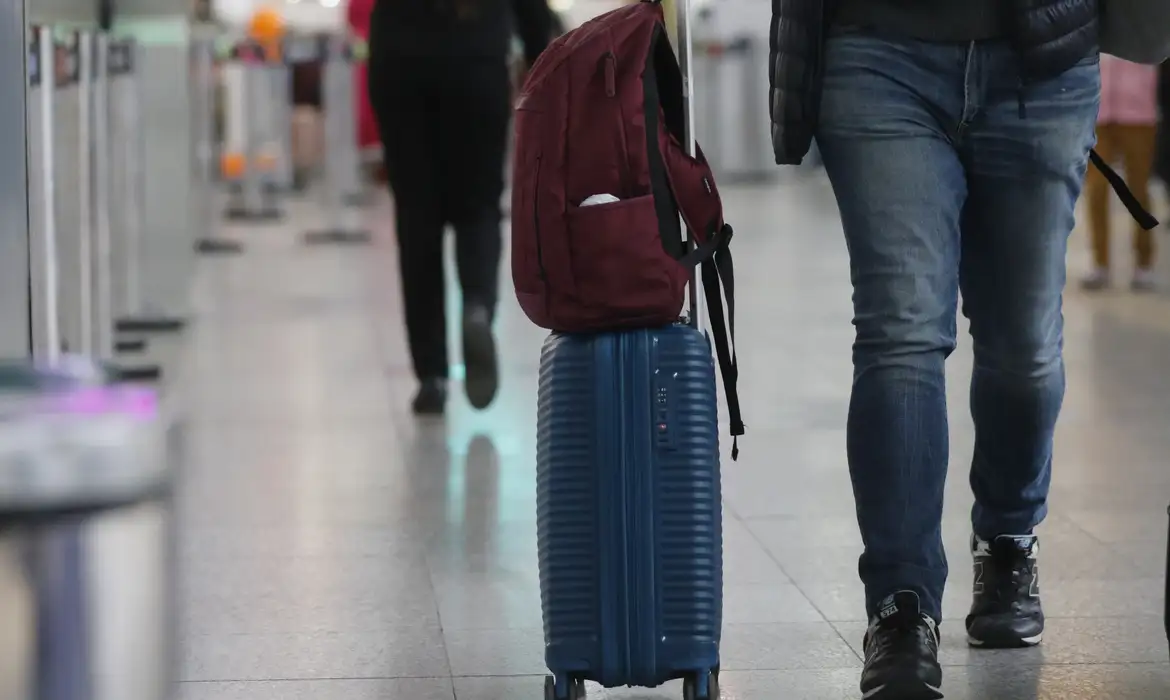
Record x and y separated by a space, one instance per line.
718 272
683 185
1144 218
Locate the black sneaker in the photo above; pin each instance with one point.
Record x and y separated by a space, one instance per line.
1006 611
431 399
901 653
482 378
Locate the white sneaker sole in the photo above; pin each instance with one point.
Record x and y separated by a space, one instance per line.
1024 643
924 691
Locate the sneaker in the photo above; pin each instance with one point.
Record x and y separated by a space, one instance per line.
901 653
431 399
1143 280
1006 611
482 378
1097 279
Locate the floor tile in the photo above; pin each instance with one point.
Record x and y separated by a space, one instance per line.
407 652
380 689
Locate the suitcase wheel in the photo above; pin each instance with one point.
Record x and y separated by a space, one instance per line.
702 686
571 689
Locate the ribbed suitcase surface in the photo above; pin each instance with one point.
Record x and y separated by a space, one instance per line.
629 515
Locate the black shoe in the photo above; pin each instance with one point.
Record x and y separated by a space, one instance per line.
431 399
482 378
901 653
1006 611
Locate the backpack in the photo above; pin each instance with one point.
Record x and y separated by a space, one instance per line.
603 112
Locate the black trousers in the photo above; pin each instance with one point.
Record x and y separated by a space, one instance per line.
444 124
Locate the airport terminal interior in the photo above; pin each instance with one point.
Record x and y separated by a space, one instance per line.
331 545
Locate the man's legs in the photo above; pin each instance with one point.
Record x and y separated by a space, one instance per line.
1025 155
887 113
890 112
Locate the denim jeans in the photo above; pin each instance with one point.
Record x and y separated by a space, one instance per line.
953 176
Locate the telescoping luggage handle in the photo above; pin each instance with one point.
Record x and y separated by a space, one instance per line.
716 266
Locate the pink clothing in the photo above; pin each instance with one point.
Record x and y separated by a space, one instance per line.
358 17
1129 92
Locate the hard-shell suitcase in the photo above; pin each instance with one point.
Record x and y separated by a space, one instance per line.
629 514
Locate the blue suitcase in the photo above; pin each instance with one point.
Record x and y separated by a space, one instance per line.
629 514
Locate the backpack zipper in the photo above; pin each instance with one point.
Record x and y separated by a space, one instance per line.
623 146
610 75
536 224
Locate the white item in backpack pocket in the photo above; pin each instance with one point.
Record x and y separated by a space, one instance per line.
599 199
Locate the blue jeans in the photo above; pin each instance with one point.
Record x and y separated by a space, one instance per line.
952 176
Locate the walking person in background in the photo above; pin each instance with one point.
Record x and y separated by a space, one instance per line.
1127 133
440 86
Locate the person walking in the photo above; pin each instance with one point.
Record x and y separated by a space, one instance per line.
955 135
1127 133
440 87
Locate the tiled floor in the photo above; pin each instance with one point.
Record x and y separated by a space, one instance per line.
335 548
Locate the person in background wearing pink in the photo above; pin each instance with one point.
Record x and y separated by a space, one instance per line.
1127 131
369 142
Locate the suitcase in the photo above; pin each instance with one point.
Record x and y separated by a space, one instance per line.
629 514
629 507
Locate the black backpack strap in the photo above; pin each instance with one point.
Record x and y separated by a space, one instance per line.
1144 218
717 271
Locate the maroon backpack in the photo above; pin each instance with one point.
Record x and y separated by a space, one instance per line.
602 112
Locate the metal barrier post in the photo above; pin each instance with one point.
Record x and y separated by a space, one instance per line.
203 64
280 118
739 151
102 260
132 204
352 185
47 345
118 145
72 200
257 191
88 199
341 161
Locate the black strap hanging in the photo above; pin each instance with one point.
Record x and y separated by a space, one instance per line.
1144 218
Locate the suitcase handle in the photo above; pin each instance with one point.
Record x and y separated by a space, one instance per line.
684 49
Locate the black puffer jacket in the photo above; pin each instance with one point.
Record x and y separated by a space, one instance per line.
1051 36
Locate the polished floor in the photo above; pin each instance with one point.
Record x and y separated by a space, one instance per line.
334 548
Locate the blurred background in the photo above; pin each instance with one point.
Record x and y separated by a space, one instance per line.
212 484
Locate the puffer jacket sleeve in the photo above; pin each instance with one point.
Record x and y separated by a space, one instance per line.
794 60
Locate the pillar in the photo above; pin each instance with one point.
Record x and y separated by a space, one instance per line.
15 312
